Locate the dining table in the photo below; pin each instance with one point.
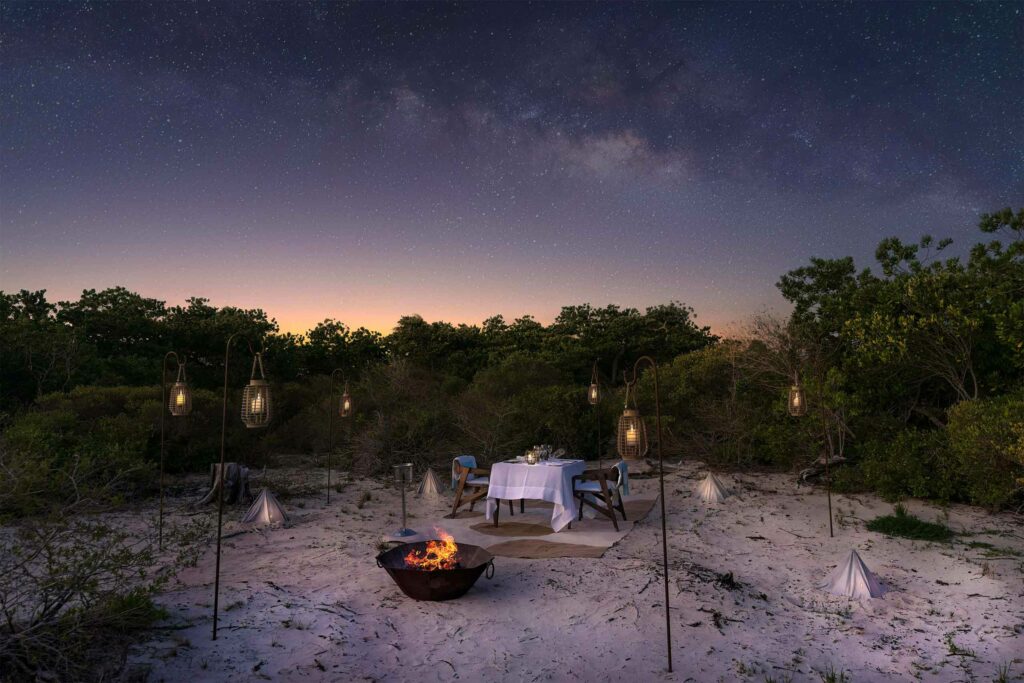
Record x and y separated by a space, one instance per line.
548 480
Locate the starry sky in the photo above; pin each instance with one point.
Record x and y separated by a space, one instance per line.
365 161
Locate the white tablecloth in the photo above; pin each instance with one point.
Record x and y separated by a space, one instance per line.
550 481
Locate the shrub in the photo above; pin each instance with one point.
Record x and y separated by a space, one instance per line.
986 438
73 592
905 525
915 463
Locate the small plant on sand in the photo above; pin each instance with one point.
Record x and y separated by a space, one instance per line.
364 499
955 649
830 675
904 525
786 678
1002 673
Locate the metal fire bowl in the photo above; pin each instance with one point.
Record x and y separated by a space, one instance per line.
438 584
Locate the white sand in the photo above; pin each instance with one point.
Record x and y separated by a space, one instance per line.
309 602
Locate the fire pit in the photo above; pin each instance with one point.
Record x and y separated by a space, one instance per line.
436 570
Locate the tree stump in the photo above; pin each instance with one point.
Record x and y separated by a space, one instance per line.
237 488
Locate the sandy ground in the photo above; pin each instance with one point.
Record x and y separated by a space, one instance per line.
309 603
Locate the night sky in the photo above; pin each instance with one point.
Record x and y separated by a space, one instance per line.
364 161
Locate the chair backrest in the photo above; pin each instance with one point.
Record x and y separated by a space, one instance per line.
462 461
623 480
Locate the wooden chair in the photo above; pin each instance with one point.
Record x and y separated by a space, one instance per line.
594 487
472 481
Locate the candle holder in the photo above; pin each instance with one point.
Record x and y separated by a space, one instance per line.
403 475
631 440
532 456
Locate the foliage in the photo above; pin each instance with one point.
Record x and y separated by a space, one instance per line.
886 358
987 440
74 592
914 462
905 525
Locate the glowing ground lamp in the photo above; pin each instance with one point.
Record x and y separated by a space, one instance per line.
344 410
632 444
255 413
179 405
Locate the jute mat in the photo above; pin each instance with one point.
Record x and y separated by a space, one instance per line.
530 549
529 535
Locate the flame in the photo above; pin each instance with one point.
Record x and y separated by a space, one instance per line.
438 555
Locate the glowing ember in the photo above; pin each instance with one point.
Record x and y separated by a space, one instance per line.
438 555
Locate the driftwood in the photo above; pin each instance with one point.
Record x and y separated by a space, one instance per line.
237 489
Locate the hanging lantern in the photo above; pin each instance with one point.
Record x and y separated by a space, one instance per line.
797 399
180 400
256 397
632 435
345 405
594 393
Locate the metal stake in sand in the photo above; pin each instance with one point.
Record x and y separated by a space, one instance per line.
403 474
255 413
632 442
594 398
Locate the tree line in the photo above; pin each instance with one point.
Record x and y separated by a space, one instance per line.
914 371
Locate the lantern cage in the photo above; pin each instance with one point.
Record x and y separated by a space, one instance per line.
180 400
632 436
594 393
256 397
797 400
345 404
631 441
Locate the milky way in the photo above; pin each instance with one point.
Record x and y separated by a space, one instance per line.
363 161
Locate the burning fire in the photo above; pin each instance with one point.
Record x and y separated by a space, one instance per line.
438 555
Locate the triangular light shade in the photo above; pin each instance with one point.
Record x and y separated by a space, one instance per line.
431 487
712 490
853 579
266 511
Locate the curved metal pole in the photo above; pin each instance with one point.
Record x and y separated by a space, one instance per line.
661 481
597 412
163 409
330 430
221 473
828 474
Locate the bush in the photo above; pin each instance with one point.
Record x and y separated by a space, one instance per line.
53 459
401 416
986 438
907 526
915 463
74 594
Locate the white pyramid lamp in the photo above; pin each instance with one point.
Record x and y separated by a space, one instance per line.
265 511
853 579
712 490
430 488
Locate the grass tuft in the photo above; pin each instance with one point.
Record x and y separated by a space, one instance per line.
904 525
